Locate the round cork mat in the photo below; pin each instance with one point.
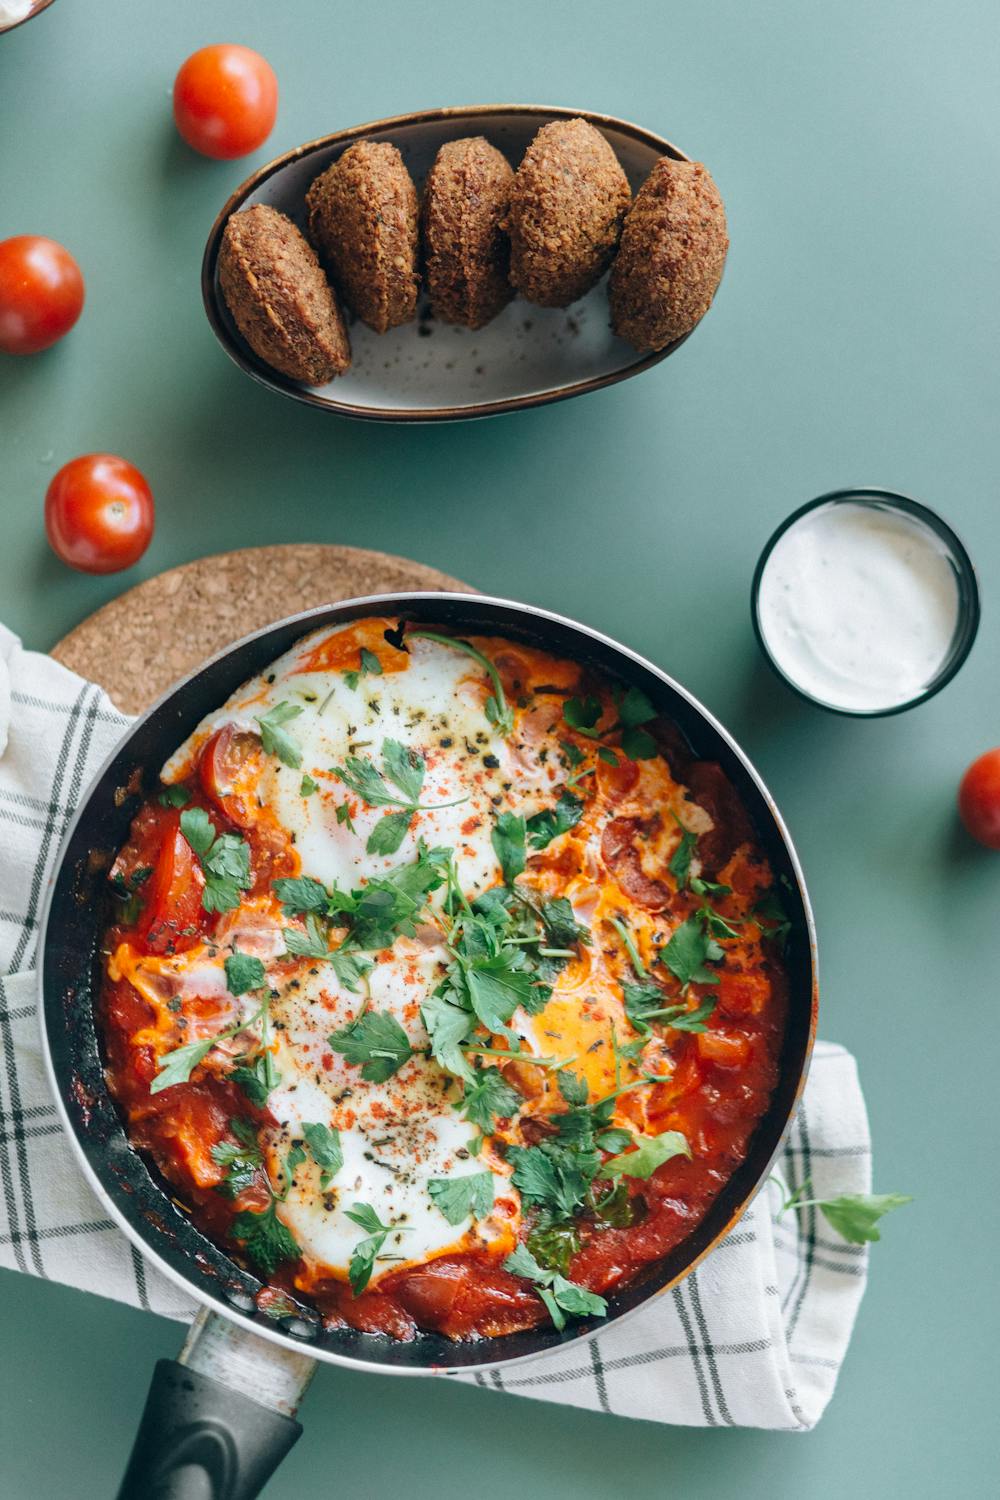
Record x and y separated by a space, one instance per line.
145 640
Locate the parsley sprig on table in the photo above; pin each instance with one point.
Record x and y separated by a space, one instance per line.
853 1215
402 768
224 860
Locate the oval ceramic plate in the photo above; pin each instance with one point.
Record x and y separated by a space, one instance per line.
429 371
36 9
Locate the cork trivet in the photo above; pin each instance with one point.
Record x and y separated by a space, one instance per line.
147 638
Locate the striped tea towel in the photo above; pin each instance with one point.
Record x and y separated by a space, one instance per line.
754 1338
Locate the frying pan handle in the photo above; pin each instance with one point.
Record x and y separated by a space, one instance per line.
203 1436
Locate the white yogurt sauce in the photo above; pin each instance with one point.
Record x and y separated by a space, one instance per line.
858 605
14 10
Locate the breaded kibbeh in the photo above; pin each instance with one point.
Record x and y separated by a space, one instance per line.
280 299
466 253
363 220
670 260
567 205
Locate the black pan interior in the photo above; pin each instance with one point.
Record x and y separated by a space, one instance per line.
71 973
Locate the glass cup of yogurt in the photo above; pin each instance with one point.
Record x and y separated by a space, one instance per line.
865 602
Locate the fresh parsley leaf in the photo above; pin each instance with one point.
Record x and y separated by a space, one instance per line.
198 828
361 776
854 1215
389 832
644 1004
344 817
778 923
702 887
638 745
548 824
369 666
326 1151
615 1208
607 755
552 1175
508 844
487 1097
448 1027
243 973
404 767
174 796
241 1159
265 1238
572 1087
574 755
553 1245
615 1139
689 949
650 1153
635 708
498 712
350 968
225 861
308 786
583 714
257 1079
559 1295
496 986
460 1198
680 860
376 1041
300 894
313 943
366 1251
178 1065
275 739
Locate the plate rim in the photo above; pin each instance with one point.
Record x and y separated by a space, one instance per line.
274 381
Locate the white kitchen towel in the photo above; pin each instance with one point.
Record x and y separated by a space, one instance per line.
754 1338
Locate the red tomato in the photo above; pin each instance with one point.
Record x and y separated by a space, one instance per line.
221 761
979 799
225 101
99 513
173 896
41 293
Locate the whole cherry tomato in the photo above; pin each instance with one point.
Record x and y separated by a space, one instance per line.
225 101
41 293
99 513
979 799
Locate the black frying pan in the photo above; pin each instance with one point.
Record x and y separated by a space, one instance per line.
219 1420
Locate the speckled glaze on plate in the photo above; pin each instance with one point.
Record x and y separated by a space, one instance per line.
429 371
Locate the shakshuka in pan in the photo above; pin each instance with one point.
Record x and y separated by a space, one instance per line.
443 984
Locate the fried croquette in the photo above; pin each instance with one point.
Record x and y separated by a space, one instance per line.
672 252
280 299
467 255
568 201
363 220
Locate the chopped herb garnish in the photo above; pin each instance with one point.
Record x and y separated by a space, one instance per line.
508 844
370 666
265 1238
257 1078
307 786
366 1251
650 1152
559 1295
402 767
583 714
275 738
547 825
376 1041
326 1151
680 860
243 973
240 1158
174 796
630 947
689 950
487 1097
644 1003
500 715
127 892
224 860
460 1198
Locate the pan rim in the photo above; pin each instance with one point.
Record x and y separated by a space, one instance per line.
398 602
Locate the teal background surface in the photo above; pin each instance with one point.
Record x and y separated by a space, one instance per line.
854 341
